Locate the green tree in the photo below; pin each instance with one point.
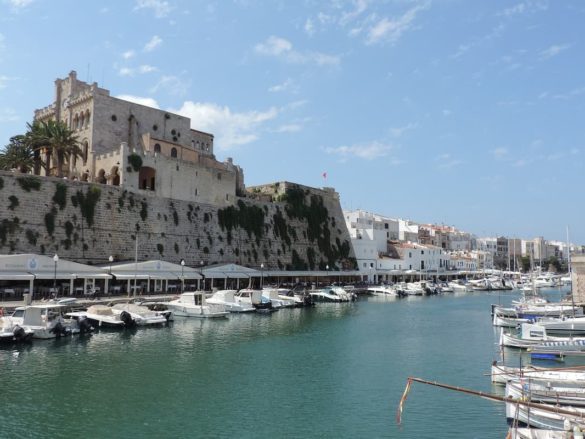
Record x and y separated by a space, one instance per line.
63 143
18 154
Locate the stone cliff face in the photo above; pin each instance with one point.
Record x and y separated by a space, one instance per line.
301 229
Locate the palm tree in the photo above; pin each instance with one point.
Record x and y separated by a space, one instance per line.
18 154
63 142
37 138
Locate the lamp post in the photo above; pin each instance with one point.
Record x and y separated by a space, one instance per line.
182 277
327 268
55 259
261 276
201 274
111 259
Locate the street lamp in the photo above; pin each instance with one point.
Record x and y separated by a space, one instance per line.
182 278
111 259
55 259
201 274
261 276
327 268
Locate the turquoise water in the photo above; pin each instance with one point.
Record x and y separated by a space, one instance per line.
337 370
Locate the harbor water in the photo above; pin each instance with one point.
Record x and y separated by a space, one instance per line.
335 370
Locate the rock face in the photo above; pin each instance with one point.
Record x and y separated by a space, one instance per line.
300 228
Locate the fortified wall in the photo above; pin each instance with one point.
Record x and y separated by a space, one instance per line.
283 226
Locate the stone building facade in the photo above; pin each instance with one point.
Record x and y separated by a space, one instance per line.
176 160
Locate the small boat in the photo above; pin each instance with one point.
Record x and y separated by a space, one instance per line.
564 325
531 335
11 331
536 433
278 301
227 299
50 321
101 316
502 374
254 298
331 294
193 304
139 315
546 392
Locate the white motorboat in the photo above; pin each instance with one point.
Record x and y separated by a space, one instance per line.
227 299
460 286
254 298
193 304
139 315
49 321
273 295
545 419
331 294
382 290
101 316
11 331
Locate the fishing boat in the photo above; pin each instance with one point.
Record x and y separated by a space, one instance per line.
193 304
565 325
547 392
530 335
537 433
502 374
227 299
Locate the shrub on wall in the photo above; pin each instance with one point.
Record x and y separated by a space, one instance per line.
1 183
144 210
60 197
160 248
13 202
87 203
135 161
8 228
28 183
50 221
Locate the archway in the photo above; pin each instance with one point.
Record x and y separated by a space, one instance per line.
101 177
115 176
147 178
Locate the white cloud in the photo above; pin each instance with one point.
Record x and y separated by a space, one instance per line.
399 131
464 48
160 8
524 7
8 115
19 4
128 54
392 29
283 49
230 128
289 128
145 68
154 42
309 27
500 153
360 8
553 50
4 80
172 84
368 151
446 161
149 102
126 71
286 85
447 113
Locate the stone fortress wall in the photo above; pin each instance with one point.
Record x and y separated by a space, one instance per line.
287 226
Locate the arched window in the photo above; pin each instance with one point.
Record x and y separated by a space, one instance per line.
101 178
75 122
85 152
174 153
87 114
81 121
157 147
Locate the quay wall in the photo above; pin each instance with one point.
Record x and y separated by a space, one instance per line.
297 228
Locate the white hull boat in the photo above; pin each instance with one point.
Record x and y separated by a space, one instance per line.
193 304
227 299
12 332
140 315
503 374
49 321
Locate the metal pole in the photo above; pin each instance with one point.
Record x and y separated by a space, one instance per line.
135 265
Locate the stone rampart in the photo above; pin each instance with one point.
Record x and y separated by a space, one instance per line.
84 222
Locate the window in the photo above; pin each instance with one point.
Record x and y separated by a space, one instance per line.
219 176
114 118
174 152
157 147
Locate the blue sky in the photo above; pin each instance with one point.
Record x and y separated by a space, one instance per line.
458 112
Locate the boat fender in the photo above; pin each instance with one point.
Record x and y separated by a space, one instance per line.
127 319
18 333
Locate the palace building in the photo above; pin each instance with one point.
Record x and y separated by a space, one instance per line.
138 147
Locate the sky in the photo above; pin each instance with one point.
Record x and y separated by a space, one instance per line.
456 112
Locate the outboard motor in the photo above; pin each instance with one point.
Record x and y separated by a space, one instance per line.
18 333
58 330
127 319
84 326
